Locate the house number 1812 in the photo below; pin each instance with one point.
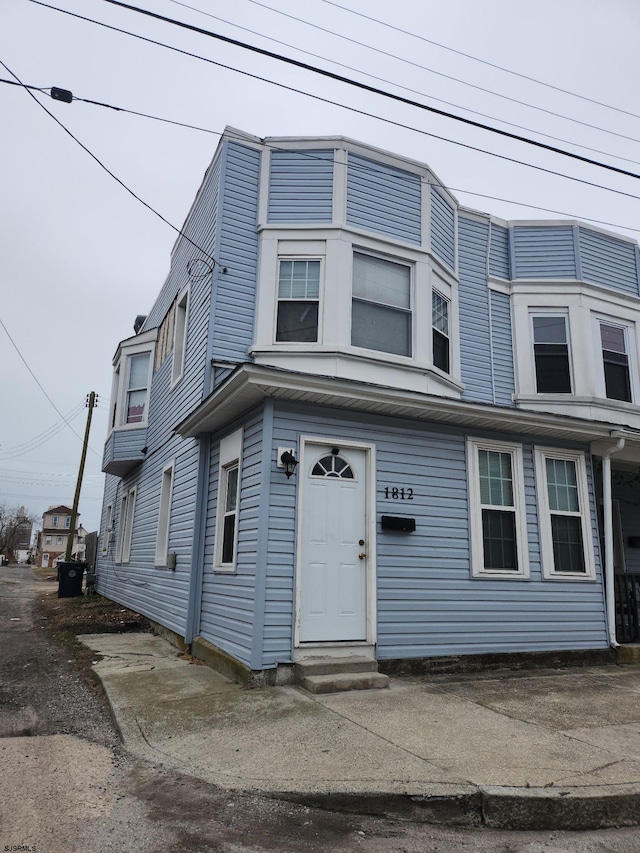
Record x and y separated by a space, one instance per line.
398 494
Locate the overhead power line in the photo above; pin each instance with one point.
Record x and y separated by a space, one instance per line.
475 59
178 231
433 71
367 88
353 166
22 358
355 110
408 88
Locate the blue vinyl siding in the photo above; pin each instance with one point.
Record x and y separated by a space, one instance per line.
301 186
443 224
158 593
499 264
384 199
428 605
608 261
544 252
238 251
228 599
125 446
502 349
475 332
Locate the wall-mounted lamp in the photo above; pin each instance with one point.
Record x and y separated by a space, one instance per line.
288 461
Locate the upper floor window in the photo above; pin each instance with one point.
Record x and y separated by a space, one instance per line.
440 323
381 316
551 351
67 521
497 503
47 540
615 362
137 385
58 540
298 299
56 520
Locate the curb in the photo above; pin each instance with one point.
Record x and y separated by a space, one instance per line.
520 809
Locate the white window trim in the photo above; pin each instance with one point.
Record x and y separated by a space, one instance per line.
630 343
291 256
475 509
164 514
125 527
56 520
180 337
546 540
108 528
48 540
230 456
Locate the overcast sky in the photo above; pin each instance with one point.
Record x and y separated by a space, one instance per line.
80 258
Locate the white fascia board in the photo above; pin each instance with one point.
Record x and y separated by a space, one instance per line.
250 384
135 341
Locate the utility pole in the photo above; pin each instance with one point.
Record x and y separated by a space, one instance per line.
91 402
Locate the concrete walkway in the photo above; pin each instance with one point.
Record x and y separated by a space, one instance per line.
544 750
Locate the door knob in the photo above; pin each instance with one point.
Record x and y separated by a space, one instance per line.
361 555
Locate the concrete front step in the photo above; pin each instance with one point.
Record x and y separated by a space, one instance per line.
339 682
330 666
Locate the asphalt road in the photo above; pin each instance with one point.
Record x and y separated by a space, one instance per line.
66 784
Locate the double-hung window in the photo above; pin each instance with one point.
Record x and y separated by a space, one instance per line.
497 506
298 300
440 331
125 529
228 502
567 549
137 384
615 362
108 528
180 338
164 515
381 305
551 351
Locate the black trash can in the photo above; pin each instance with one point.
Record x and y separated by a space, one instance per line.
70 579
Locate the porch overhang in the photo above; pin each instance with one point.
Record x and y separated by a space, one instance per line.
249 385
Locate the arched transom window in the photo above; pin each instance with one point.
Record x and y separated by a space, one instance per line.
333 465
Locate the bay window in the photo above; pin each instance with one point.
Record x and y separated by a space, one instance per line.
615 362
381 317
551 352
298 299
440 332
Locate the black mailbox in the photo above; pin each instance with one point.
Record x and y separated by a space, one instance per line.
398 524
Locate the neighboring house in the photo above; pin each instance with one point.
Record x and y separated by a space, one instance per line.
456 398
51 543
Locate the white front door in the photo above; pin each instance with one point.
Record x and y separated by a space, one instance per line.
45 561
333 564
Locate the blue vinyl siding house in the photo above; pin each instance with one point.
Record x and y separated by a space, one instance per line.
379 424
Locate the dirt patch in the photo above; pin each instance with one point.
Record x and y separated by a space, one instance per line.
86 614
62 619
